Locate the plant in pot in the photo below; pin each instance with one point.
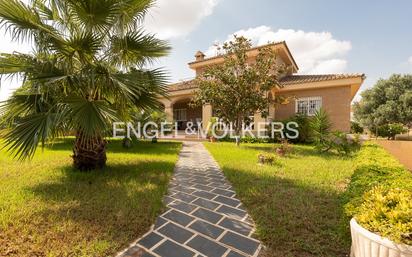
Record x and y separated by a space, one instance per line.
266 158
284 148
382 224
127 143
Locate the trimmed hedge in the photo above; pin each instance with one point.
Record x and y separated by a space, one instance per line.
377 173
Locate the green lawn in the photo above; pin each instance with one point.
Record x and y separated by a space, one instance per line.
296 204
48 209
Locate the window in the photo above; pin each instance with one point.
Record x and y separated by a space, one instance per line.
308 106
179 114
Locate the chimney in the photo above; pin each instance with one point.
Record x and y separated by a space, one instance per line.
200 56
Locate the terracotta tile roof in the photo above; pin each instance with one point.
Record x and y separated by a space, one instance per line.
188 84
299 79
288 80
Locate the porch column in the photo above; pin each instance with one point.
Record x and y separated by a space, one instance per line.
272 112
206 115
259 119
169 112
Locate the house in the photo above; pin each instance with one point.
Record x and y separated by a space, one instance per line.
308 93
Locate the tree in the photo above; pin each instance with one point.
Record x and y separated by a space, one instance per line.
238 88
389 101
391 130
86 71
356 128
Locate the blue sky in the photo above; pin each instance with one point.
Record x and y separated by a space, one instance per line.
371 37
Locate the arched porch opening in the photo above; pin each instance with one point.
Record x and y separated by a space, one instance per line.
184 112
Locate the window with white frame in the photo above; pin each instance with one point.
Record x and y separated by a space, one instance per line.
179 114
308 105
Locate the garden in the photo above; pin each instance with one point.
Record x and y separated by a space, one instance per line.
47 208
68 189
302 203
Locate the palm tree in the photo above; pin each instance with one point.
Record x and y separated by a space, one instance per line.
86 70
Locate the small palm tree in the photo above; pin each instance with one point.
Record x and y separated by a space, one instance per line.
86 71
321 129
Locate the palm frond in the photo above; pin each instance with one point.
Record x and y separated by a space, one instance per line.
136 48
23 139
25 24
131 15
91 117
96 15
16 63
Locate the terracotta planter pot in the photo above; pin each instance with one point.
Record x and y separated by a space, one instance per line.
368 244
280 152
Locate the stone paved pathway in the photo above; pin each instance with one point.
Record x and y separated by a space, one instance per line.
203 216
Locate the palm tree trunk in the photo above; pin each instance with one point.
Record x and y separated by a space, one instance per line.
89 153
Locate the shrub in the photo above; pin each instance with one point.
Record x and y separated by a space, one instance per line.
356 128
387 212
320 126
342 144
266 158
374 167
391 130
304 128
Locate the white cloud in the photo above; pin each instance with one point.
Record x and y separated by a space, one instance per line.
410 60
177 18
314 52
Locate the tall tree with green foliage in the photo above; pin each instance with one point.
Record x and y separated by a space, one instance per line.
238 88
86 71
389 101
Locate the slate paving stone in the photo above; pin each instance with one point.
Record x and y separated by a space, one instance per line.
206 229
132 251
236 225
223 192
207 247
168 200
206 204
234 254
220 185
226 200
159 222
204 194
178 217
199 177
171 249
244 244
150 240
203 187
207 215
175 232
146 254
231 212
198 181
182 206
183 189
184 197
